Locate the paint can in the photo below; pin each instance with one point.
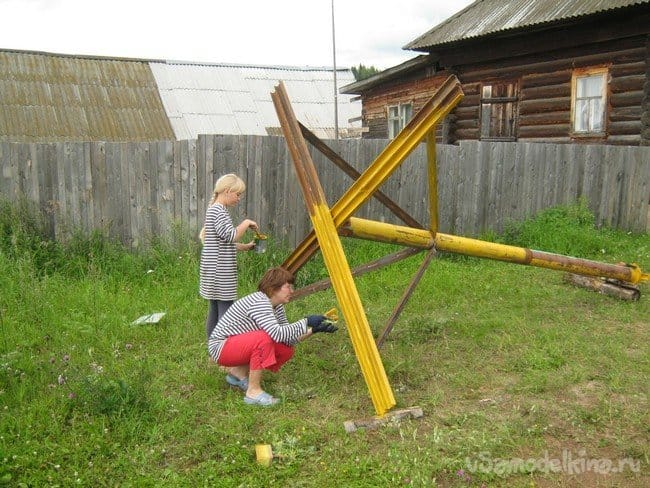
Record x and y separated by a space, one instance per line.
260 243
264 454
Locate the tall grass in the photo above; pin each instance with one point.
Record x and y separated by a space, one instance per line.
508 362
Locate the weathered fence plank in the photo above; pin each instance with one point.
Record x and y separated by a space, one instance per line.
165 187
127 203
98 185
136 191
195 215
204 174
45 157
5 170
59 193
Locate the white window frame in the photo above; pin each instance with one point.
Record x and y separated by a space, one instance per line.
589 111
397 117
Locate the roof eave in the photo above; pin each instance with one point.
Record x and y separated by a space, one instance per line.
361 86
420 44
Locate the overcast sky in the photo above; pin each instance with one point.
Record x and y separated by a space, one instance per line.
261 32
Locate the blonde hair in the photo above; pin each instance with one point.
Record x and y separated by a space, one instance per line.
228 182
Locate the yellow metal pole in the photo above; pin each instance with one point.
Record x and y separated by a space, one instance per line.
383 232
630 273
481 249
393 234
332 250
433 181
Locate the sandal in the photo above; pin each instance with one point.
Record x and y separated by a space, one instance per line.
236 382
263 399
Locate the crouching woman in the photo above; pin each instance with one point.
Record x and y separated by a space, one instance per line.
254 335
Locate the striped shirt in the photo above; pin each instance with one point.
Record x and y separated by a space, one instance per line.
255 312
218 267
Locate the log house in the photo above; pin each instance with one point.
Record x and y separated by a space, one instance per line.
565 71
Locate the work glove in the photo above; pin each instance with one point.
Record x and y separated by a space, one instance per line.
315 320
325 326
320 323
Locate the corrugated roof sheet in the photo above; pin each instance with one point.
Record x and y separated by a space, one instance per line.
485 17
50 97
236 99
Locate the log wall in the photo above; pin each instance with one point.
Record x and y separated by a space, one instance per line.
544 106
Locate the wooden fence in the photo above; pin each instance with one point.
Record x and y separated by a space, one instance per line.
133 191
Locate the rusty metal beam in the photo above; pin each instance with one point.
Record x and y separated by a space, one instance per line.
405 297
354 174
358 271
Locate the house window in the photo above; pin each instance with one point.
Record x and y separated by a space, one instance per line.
398 117
499 112
588 101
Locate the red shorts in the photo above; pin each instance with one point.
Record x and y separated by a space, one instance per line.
256 349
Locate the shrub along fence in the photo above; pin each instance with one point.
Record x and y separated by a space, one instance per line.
133 191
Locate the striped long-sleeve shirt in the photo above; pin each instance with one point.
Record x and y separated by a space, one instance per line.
255 312
218 267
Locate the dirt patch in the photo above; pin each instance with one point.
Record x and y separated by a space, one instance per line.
587 394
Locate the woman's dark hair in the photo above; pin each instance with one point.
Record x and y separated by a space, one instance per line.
274 279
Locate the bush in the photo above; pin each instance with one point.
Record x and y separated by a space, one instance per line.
567 230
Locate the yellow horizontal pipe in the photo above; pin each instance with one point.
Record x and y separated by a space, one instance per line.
481 249
389 233
630 273
383 232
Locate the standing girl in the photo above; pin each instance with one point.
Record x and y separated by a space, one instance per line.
218 268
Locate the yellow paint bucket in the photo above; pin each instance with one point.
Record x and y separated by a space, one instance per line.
264 454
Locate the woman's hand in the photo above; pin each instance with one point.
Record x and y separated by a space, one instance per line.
320 323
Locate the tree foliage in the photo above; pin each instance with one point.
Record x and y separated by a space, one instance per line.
362 72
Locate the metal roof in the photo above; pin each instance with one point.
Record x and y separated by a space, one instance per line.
49 97
485 17
236 99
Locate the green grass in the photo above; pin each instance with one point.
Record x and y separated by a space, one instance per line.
511 366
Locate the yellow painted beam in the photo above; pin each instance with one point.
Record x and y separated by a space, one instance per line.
350 304
407 236
433 181
335 260
481 249
629 273
389 233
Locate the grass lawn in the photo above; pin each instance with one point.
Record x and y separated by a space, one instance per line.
524 380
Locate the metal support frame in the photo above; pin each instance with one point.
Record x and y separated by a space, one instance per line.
393 155
407 294
329 223
326 221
